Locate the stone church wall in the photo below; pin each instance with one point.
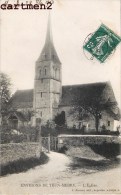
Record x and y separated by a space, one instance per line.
72 120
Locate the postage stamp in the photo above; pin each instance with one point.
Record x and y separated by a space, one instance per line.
102 43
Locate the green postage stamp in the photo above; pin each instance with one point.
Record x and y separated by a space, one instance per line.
102 43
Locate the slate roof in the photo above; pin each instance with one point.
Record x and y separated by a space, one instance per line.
71 93
22 99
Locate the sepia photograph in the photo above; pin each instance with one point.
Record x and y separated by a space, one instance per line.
60 97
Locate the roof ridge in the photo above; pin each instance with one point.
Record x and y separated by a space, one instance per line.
23 90
83 84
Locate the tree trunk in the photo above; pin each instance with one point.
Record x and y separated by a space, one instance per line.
96 123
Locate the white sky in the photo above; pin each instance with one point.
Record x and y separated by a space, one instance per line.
23 35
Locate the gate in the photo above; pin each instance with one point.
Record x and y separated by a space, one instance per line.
49 143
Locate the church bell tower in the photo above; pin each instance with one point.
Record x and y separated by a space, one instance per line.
47 83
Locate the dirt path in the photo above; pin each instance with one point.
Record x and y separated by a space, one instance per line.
57 163
57 176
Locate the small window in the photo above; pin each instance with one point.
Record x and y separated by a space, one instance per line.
41 94
56 73
41 80
53 72
40 72
41 113
45 71
108 123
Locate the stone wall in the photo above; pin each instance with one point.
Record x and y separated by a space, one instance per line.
79 140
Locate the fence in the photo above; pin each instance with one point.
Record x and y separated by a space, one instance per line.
49 143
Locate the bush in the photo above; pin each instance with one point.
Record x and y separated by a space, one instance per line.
108 150
23 165
22 134
60 119
45 131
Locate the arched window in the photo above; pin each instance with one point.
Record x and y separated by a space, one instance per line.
56 73
108 123
45 71
53 72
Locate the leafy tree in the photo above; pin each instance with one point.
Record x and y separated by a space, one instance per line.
94 107
28 115
5 92
60 119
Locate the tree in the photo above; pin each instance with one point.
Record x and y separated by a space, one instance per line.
5 91
60 119
30 132
93 107
28 115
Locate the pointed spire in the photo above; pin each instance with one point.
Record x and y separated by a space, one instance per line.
48 51
49 37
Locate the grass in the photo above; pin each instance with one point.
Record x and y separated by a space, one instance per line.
23 165
108 150
15 151
88 166
87 160
91 151
84 152
20 157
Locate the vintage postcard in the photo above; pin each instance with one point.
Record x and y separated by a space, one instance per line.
60 97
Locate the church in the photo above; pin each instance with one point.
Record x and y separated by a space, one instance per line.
49 97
